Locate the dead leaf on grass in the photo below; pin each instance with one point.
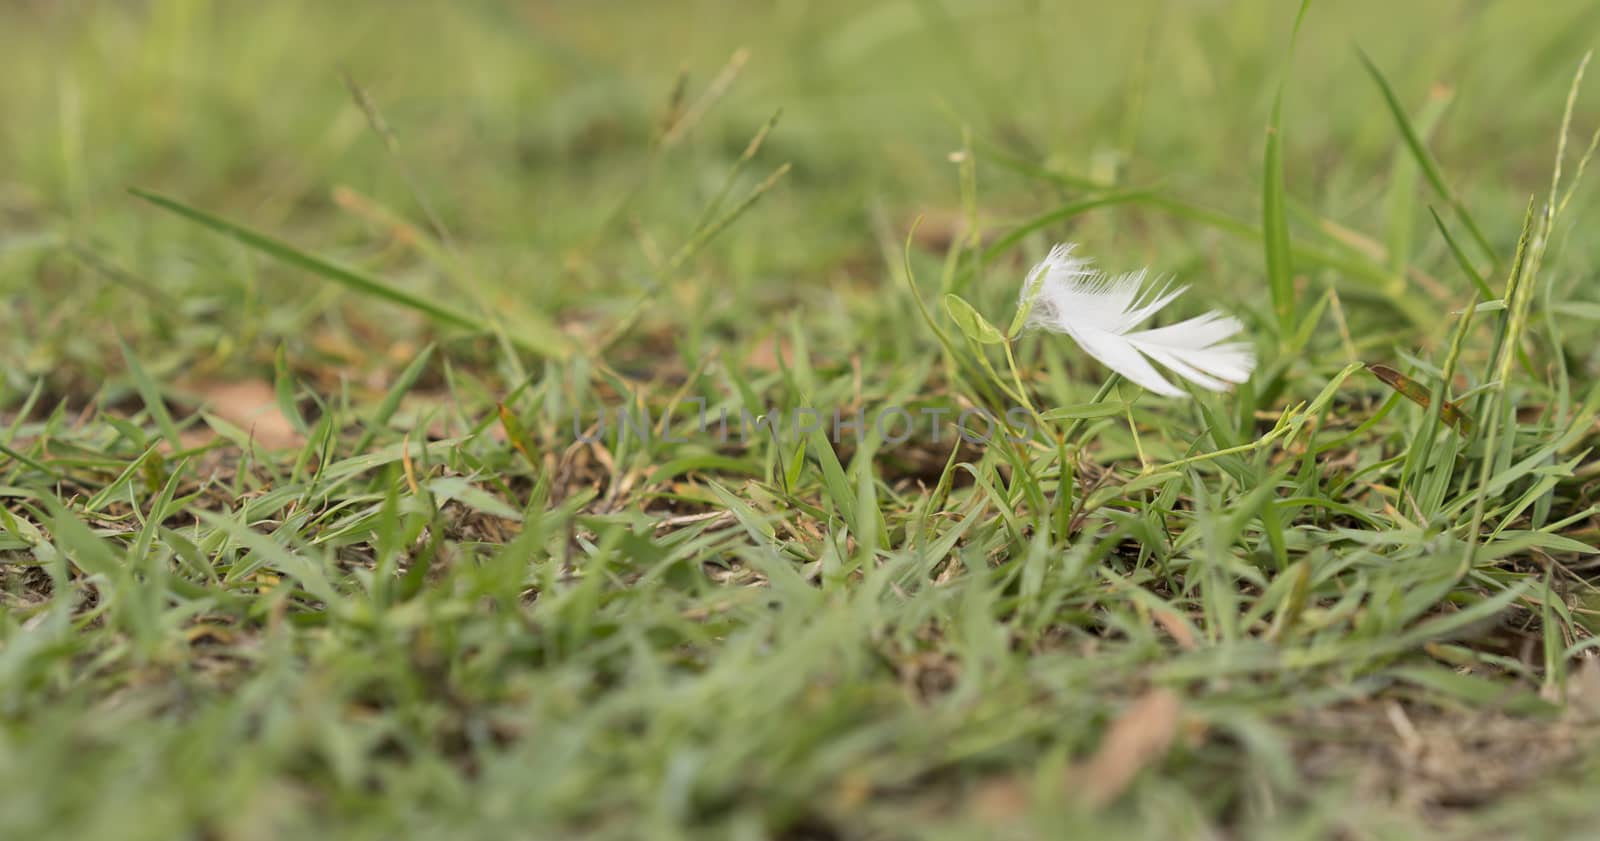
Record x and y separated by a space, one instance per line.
251 405
1175 626
770 354
1002 799
1138 738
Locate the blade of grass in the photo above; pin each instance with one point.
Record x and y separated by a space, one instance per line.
1062 213
1461 258
1401 202
728 180
396 393
1495 408
1425 160
709 232
346 277
28 462
150 393
1274 209
531 326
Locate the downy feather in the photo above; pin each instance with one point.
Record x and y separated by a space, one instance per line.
1066 294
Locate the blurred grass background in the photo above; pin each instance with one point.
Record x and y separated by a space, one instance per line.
526 124
675 706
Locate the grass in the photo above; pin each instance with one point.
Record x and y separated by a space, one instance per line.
297 534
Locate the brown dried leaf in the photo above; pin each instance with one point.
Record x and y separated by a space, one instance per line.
251 405
1178 629
771 354
1002 799
1416 392
1139 737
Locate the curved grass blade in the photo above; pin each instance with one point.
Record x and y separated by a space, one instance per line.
348 278
1425 160
1401 200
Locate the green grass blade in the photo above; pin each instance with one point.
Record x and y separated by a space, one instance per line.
1425 160
1274 204
23 459
396 393
705 235
1275 227
150 393
282 251
1062 213
1401 202
1461 259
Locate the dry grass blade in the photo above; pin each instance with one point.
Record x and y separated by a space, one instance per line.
1419 394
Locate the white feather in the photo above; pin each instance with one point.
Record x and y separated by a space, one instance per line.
1066 294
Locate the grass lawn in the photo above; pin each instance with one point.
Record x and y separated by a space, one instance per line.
354 483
